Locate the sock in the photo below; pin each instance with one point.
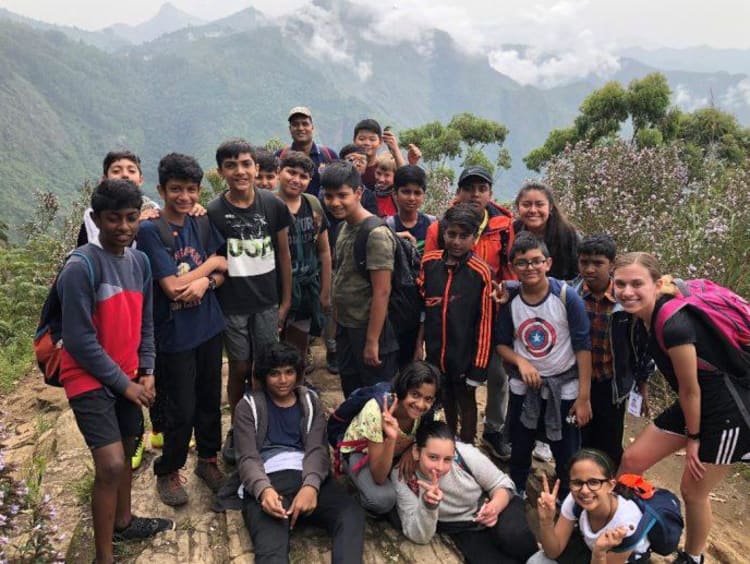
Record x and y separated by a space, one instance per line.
697 559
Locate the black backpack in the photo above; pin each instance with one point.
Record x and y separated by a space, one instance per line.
405 303
202 225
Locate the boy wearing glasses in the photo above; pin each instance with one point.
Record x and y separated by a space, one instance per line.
543 338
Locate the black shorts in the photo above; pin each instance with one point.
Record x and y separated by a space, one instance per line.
725 435
105 418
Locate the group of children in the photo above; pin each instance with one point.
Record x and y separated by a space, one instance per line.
149 311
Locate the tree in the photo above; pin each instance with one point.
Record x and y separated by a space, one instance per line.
648 101
704 133
466 137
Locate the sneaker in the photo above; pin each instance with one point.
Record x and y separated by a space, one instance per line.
542 452
157 440
143 528
227 451
171 490
137 458
495 445
331 362
207 470
684 558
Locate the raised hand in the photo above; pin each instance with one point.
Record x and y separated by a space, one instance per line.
390 424
547 501
432 495
487 514
499 294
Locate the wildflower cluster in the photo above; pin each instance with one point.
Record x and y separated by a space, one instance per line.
27 520
698 226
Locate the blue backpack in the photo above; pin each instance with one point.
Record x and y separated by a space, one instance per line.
661 522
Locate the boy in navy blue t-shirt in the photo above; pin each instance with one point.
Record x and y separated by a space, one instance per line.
188 324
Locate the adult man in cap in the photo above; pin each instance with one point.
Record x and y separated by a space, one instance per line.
493 246
302 130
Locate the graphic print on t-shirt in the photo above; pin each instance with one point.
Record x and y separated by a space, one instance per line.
252 254
538 336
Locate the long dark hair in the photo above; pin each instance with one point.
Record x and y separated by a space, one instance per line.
560 235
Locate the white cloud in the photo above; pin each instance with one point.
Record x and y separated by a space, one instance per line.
737 96
683 98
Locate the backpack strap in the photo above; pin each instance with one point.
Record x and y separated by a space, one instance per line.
91 264
203 226
461 462
390 221
165 233
665 312
317 211
360 243
327 152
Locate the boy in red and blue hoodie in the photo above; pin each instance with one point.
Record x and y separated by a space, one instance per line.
107 362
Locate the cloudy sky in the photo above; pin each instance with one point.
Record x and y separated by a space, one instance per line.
567 38
675 23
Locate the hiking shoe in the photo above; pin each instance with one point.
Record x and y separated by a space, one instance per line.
542 452
332 363
309 362
143 528
171 490
495 445
137 457
207 470
157 440
684 558
227 451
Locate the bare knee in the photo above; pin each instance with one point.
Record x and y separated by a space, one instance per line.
109 469
632 462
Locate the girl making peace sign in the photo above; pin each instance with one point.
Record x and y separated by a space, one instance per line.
457 490
604 519
384 433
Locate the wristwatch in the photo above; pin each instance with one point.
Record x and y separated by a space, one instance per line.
211 282
145 372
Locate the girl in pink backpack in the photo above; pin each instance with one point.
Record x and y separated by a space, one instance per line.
710 418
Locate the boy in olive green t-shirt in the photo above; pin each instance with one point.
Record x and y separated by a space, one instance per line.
365 341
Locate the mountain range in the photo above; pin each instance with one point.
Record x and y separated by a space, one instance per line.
175 83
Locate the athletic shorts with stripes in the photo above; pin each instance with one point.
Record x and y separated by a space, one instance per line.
724 432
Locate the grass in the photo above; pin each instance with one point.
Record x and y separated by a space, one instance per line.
83 487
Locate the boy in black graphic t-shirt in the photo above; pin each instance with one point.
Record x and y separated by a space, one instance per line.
255 224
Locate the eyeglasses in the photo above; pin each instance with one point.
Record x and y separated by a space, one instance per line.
533 263
592 484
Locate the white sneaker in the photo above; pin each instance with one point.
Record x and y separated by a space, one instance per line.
542 452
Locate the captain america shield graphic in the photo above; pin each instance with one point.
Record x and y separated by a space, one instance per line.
538 336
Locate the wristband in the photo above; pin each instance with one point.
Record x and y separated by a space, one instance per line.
145 372
692 436
211 282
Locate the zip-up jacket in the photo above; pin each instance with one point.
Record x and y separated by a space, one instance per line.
251 427
458 314
631 364
493 244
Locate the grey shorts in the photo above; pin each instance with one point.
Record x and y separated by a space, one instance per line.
246 333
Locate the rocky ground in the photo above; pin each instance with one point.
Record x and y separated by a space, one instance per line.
43 434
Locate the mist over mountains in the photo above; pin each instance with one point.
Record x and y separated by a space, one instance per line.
176 83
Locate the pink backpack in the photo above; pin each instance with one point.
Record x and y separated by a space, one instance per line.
726 313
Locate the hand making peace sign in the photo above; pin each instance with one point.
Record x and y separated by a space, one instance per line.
547 501
432 495
390 424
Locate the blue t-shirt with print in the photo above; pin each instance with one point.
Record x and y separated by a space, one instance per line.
180 326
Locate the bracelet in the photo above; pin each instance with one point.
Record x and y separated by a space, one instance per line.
211 282
692 436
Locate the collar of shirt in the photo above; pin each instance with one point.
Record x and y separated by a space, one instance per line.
608 294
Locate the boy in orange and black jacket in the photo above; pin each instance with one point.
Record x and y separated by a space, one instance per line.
457 329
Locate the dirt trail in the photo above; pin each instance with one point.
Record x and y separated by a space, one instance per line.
42 428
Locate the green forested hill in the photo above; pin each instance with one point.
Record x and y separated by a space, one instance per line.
64 104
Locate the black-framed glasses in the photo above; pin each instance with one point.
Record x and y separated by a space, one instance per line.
593 484
533 263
